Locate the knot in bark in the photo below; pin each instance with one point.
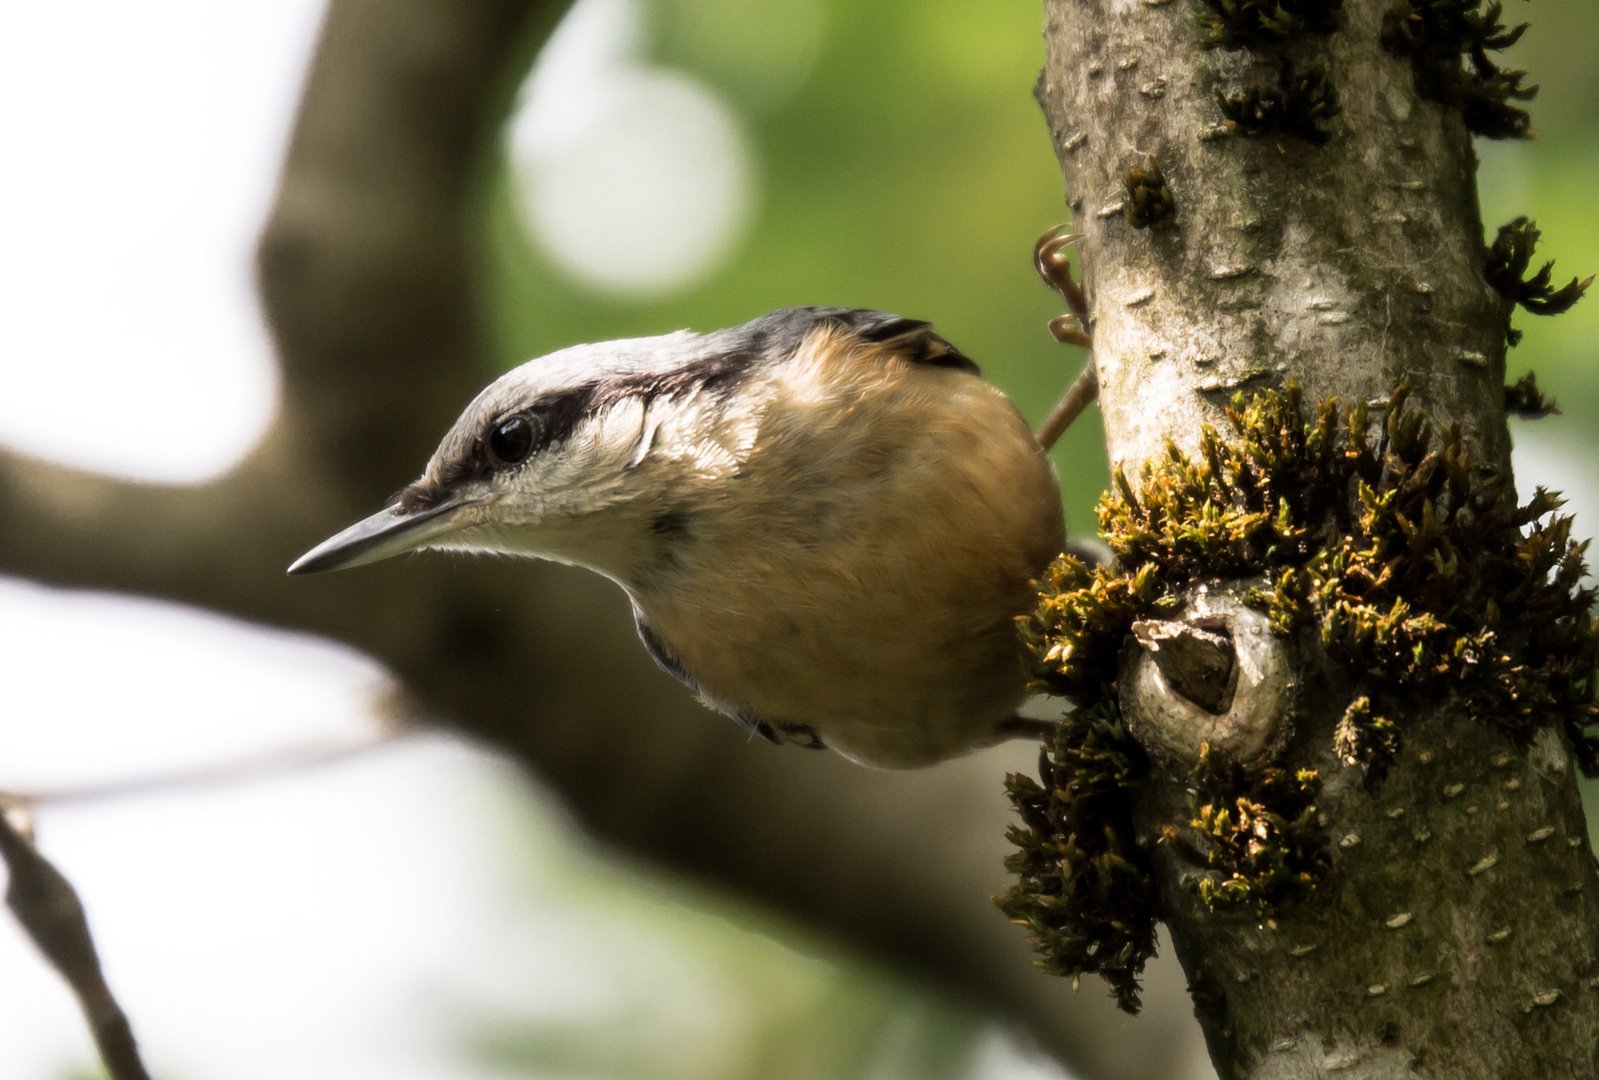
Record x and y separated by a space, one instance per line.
1196 662
1216 674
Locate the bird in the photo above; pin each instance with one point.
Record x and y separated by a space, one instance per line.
826 520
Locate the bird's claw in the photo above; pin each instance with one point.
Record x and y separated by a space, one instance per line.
1054 266
1066 332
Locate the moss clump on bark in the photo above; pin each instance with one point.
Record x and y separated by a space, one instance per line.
1232 24
1148 198
1363 739
1508 262
1439 37
1526 400
1297 105
1430 585
1405 558
1084 890
1256 830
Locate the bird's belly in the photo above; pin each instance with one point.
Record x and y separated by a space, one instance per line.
877 682
893 639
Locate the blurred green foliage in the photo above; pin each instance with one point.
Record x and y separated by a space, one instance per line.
1551 179
850 1030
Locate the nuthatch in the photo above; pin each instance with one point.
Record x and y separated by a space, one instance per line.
826 520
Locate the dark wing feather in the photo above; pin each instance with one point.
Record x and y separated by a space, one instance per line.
779 334
778 734
663 659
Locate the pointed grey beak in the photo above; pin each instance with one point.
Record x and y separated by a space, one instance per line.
387 532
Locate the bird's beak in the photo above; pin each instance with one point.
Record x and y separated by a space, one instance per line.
390 531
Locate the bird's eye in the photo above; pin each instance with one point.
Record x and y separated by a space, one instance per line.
512 440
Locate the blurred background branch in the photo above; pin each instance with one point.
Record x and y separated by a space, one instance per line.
47 906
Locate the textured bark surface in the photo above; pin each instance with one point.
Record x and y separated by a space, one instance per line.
1343 266
366 270
1456 935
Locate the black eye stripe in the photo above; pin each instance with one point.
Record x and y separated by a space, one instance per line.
548 423
729 357
554 418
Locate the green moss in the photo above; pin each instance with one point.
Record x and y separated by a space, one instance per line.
1296 105
1362 738
1083 615
1084 890
1148 198
1236 24
1386 541
1256 829
1429 585
1437 36
1508 262
1526 400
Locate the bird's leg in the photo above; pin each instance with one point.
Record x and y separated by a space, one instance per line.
1053 265
1025 727
1078 397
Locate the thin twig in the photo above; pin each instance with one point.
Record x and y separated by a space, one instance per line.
49 910
48 907
293 759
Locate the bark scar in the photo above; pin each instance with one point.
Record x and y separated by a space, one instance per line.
1215 675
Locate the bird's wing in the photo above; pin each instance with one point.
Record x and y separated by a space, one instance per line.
663 659
779 334
780 734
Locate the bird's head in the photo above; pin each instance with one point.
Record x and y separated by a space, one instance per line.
568 457
591 454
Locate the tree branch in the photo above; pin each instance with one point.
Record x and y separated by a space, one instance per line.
48 908
1343 266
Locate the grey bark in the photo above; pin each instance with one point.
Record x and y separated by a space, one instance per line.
367 273
1456 935
1343 266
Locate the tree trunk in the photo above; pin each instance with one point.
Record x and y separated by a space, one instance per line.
1455 934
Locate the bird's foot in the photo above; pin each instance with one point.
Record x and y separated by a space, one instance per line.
1054 266
1064 328
1083 391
